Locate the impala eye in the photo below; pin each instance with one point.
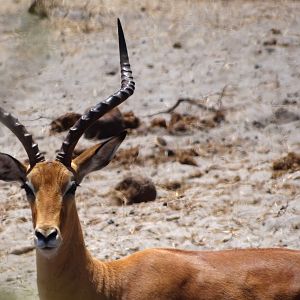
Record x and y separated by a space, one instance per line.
28 190
72 188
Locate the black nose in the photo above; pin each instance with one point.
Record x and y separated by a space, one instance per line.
46 235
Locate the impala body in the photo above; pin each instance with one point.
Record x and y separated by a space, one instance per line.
67 271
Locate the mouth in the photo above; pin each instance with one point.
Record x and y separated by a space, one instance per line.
47 246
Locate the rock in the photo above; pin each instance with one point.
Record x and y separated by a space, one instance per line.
276 31
22 250
39 8
130 120
43 8
177 45
161 142
159 122
135 189
64 122
271 42
111 124
290 162
187 160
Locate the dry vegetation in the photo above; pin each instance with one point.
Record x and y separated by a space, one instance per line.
214 122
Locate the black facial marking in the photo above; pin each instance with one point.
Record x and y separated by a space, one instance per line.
72 189
28 190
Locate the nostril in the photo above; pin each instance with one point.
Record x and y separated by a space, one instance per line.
46 236
52 235
39 235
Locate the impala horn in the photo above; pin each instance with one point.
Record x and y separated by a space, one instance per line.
22 134
100 109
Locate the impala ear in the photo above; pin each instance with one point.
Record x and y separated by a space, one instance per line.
97 157
11 169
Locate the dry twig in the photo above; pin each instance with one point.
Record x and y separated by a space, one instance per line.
194 102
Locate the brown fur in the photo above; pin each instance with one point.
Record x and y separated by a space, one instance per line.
162 274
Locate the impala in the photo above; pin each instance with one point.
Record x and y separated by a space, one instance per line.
67 271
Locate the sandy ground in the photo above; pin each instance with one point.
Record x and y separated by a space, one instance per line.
194 49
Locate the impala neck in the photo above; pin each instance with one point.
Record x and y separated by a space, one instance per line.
70 273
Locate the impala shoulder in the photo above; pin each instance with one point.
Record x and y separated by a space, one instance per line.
158 274
160 261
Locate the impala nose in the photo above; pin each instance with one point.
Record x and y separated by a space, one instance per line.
46 239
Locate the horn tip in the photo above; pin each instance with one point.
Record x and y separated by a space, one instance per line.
120 28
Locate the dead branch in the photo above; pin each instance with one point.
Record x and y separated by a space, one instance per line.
194 102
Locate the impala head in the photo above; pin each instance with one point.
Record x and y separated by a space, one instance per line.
50 186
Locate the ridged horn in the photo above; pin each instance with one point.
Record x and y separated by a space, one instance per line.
23 135
100 109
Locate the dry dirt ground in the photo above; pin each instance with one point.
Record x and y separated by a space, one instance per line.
241 58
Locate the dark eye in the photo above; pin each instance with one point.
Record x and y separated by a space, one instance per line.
72 189
28 190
